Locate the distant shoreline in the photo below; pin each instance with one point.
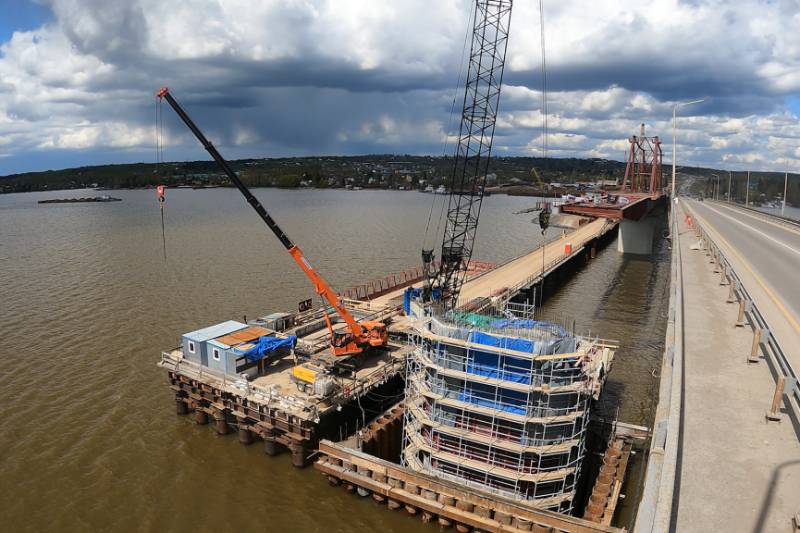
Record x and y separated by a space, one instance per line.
510 190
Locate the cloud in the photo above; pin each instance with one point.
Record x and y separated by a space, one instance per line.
299 77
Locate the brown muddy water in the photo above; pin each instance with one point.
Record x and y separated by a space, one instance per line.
88 436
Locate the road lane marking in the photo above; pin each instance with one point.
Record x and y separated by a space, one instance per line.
764 219
751 228
782 308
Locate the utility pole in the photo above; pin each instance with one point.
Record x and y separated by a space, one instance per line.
747 191
729 186
785 186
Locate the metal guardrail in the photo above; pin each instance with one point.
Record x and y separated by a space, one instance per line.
779 218
549 267
655 508
750 314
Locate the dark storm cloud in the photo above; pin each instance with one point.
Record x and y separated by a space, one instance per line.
276 78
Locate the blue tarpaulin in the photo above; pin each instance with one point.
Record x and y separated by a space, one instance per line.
266 345
410 294
488 364
509 343
509 401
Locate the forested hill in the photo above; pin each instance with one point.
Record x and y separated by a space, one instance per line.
383 171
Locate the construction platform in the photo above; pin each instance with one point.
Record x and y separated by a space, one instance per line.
502 404
267 404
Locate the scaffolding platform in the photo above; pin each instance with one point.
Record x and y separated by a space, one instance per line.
501 403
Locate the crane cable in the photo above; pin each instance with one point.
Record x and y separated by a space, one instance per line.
159 127
544 80
449 125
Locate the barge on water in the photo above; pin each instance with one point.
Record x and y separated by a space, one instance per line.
102 198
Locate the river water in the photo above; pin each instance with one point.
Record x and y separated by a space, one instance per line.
88 436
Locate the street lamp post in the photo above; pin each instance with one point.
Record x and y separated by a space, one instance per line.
715 188
785 186
729 186
747 191
674 141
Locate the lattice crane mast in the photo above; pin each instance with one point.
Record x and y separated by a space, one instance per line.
468 179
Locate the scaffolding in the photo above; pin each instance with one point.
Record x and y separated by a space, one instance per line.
500 403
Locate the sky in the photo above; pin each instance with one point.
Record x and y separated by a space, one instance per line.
276 78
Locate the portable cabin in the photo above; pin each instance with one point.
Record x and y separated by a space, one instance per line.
278 321
195 343
231 361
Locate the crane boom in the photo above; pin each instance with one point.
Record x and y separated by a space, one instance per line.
471 162
360 338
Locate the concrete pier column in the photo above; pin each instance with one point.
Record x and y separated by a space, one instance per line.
635 237
522 524
380 478
395 484
483 512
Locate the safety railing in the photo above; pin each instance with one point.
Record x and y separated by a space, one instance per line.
540 435
533 407
561 490
763 339
536 373
460 327
519 463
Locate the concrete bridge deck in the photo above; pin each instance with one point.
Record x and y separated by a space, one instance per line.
721 465
765 252
736 471
521 272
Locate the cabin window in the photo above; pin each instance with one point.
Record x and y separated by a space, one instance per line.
215 353
191 347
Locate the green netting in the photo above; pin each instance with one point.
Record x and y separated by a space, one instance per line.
476 319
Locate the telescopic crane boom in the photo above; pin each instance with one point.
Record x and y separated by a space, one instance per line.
359 335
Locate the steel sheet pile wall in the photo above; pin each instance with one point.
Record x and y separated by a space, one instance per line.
502 413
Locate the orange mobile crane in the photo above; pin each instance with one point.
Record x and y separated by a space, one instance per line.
357 336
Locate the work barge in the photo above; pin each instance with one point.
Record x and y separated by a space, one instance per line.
484 437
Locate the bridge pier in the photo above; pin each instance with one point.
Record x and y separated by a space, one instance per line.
636 236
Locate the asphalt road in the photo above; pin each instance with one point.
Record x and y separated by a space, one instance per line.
772 249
